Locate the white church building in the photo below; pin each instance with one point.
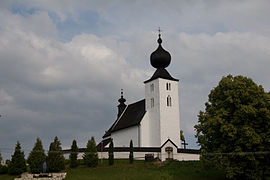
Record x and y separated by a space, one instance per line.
153 124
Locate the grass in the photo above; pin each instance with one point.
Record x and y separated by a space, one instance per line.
7 177
174 170
141 170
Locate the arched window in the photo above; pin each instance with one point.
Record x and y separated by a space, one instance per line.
152 102
169 101
168 86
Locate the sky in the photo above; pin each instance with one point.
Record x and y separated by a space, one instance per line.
63 63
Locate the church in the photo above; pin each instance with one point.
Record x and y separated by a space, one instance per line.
153 123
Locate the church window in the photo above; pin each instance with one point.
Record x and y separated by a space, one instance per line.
169 101
152 87
168 86
152 102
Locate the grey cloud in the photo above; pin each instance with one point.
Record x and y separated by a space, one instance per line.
70 89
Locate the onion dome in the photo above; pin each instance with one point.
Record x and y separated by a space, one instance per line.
160 58
122 100
122 105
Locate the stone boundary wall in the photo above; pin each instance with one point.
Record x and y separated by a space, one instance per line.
52 176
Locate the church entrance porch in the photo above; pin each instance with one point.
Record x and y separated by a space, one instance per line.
169 151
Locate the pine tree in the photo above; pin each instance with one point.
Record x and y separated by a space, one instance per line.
73 157
17 164
90 156
36 157
131 152
56 159
111 156
2 168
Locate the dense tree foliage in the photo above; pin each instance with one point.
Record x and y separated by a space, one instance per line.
131 152
73 157
110 153
3 169
56 159
90 156
17 164
36 157
234 129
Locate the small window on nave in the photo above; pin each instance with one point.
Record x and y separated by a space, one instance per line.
152 87
169 101
152 102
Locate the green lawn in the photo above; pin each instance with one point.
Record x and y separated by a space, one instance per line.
187 170
6 177
142 170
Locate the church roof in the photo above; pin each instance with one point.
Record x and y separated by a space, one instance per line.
131 116
161 73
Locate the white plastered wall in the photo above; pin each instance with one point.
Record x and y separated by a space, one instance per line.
153 113
121 138
144 131
164 121
169 115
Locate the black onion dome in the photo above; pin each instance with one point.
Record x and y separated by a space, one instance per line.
160 58
122 100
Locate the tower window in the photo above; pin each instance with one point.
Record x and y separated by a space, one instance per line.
152 87
169 101
152 102
168 86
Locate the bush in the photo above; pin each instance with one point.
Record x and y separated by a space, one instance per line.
73 157
36 157
90 156
3 169
131 152
111 156
56 159
17 164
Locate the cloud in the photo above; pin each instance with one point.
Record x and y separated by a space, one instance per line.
50 88
69 88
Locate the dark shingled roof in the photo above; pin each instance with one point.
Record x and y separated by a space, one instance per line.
103 143
131 116
161 73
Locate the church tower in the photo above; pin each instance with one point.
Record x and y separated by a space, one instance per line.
162 101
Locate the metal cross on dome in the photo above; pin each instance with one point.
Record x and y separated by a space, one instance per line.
159 31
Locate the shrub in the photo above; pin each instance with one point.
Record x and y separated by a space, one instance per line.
90 156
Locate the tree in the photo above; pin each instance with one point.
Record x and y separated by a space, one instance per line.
56 159
74 155
90 156
3 169
111 156
36 157
17 164
131 152
234 129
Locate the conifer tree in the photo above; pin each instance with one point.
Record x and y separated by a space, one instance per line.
36 157
73 157
17 164
131 152
90 156
3 169
111 156
56 159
